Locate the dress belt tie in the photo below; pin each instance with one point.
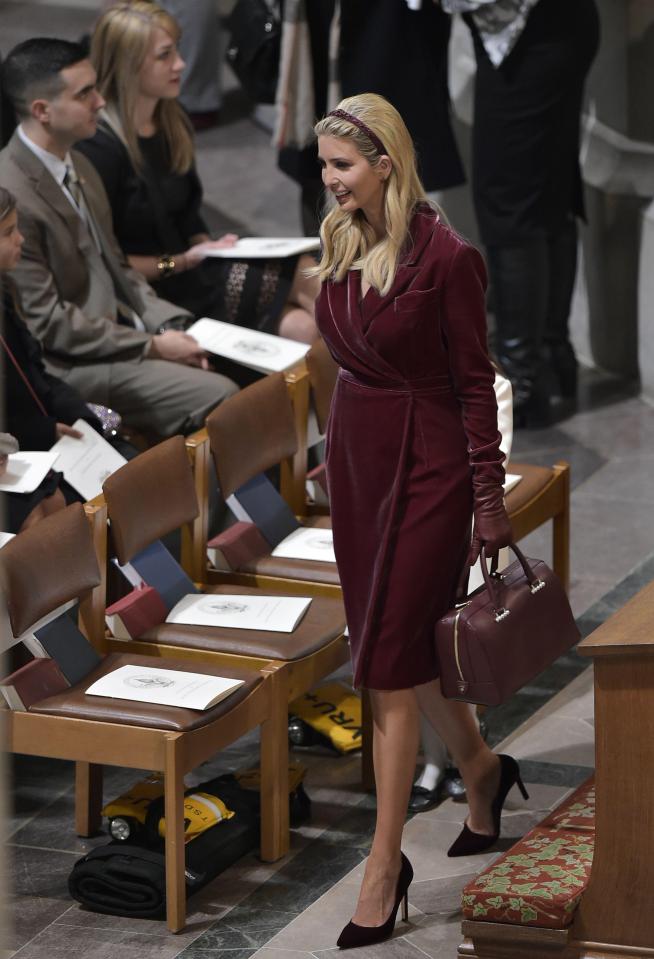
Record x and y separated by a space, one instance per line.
439 383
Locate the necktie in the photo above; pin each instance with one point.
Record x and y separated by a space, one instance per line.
128 303
72 184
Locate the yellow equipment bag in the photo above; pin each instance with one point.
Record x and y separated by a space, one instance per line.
201 810
134 803
334 710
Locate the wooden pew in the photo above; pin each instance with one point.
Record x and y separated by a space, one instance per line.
614 918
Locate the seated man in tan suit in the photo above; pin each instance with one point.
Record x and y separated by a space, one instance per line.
102 327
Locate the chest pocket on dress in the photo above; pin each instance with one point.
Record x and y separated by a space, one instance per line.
418 300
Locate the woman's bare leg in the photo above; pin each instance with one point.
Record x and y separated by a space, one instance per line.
395 747
479 766
298 316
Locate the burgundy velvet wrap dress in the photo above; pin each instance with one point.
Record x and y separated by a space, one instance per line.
413 418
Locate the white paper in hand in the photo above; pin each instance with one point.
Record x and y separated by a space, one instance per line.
260 351
266 247
87 462
26 470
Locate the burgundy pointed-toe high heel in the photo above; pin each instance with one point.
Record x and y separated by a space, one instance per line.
469 843
354 936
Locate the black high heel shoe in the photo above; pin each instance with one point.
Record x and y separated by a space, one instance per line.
354 936
469 843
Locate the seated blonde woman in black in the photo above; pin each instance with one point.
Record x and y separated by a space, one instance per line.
143 151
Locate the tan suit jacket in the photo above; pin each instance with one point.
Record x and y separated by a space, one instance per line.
68 295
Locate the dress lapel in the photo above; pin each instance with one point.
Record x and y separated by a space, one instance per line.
420 232
351 316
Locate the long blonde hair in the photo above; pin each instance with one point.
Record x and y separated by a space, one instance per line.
348 240
118 49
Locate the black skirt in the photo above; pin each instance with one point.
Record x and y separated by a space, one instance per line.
526 136
249 293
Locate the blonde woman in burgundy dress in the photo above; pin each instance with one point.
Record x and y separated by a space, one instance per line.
413 453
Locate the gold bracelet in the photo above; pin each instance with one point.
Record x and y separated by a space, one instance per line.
165 265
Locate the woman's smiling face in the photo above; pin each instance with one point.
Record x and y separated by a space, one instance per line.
350 177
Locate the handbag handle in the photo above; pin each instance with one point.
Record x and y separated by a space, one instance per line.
493 582
461 593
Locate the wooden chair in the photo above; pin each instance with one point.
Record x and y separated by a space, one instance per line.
154 494
252 432
543 494
56 561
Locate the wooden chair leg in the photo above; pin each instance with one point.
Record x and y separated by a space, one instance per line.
367 765
274 770
174 813
88 798
561 532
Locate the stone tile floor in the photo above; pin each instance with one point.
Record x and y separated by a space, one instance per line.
294 909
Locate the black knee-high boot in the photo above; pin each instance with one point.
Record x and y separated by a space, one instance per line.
519 277
559 354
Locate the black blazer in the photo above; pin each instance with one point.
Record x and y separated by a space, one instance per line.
400 53
62 403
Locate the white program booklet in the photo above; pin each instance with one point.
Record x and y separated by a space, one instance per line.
87 462
511 480
310 542
266 247
260 351
277 614
167 687
25 470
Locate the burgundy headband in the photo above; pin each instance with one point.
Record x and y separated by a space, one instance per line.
355 121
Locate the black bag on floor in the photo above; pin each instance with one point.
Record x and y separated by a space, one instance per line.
122 879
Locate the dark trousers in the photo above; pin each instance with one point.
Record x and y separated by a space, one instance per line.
532 283
527 186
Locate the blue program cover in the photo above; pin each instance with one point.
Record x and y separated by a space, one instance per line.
158 568
258 502
63 642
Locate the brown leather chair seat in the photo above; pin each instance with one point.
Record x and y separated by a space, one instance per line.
534 480
323 621
75 704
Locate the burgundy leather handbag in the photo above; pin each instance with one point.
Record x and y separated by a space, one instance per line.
504 633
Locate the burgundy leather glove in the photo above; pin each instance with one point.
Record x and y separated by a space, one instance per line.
492 527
